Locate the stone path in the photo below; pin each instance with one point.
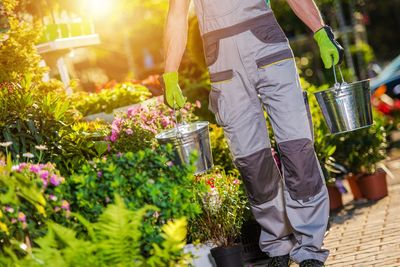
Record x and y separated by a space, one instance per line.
366 233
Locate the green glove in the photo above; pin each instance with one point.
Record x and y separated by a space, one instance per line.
172 92
329 48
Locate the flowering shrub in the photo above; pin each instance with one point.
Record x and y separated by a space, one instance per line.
29 195
136 129
223 208
145 177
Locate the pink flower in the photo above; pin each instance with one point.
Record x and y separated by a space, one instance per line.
52 197
21 217
198 104
9 209
188 105
13 220
165 122
236 181
54 180
129 131
22 166
170 164
56 209
65 205
99 174
114 137
35 168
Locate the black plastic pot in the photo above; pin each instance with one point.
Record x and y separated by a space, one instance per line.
228 256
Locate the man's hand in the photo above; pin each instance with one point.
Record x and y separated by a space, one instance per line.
331 51
173 96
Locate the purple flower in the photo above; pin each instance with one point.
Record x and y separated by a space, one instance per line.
54 180
52 197
119 154
99 174
35 168
44 175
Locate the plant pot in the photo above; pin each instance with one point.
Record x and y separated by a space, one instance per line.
250 237
228 256
354 186
374 186
335 198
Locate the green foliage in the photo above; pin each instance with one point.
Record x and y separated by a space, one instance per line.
41 114
361 150
110 98
114 240
223 207
18 56
146 177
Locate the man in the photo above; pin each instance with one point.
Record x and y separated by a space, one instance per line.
251 65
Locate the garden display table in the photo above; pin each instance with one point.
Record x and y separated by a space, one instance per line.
62 46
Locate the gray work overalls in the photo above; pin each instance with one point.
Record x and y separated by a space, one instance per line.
251 65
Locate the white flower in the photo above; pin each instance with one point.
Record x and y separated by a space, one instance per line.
6 144
15 167
41 147
28 155
23 246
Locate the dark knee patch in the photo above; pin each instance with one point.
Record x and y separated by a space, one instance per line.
301 168
260 175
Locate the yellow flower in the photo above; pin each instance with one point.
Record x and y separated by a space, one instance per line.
3 228
1 214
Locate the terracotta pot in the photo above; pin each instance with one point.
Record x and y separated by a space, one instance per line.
335 198
354 186
374 186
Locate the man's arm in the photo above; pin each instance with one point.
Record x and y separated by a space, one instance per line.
308 12
175 36
331 51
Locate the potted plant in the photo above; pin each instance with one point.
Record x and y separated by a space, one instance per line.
223 208
361 151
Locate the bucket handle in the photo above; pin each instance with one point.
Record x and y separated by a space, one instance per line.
337 85
179 135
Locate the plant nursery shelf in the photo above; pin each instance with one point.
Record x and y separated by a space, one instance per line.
68 43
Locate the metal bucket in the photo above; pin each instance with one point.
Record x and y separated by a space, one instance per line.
346 107
189 138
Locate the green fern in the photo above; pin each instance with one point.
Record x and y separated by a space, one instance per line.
115 240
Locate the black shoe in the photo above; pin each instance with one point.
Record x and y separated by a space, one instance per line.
311 263
278 261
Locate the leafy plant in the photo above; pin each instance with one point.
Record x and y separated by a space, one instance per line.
109 99
145 177
36 115
18 56
360 151
223 206
114 240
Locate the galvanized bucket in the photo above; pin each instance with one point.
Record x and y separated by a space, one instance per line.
347 106
188 139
